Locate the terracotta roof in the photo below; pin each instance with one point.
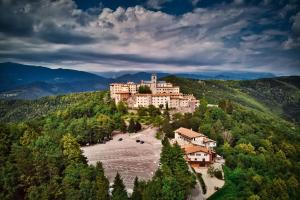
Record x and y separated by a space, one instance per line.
189 133
195 148
143 94
122 93
118 84
168 87
167 94
208 140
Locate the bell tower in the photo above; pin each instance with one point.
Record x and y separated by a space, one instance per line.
153 83
154 78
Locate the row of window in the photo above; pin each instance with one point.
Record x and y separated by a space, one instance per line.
198 154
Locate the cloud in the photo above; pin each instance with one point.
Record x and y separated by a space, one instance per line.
217 37
65 34
296 24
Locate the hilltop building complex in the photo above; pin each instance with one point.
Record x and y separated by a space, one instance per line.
162 94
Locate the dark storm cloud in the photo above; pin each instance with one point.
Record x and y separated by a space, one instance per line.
253 35
14 20
50 32
66 55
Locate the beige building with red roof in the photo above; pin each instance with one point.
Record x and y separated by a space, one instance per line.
184 136
198 148
163 95
198 155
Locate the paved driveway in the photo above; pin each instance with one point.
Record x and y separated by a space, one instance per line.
127 157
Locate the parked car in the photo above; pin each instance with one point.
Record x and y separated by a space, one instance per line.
120 139
138 140
142 142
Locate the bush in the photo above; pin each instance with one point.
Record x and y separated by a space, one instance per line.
158 135
218 174
202 183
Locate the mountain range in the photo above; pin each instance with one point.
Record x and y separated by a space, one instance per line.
18 81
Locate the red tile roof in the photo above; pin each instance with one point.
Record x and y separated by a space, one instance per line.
189 133
195 148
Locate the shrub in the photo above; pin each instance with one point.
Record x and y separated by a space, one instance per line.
218 174
202 183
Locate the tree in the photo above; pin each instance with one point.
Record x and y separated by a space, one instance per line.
167 106
71 149
166 115
137 126
167 129
123 126
153 111
142 111
119 192
144 89
121 107
226 105
131 126
136 194
210 170
102 184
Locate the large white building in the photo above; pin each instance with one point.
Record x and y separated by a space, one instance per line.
163 94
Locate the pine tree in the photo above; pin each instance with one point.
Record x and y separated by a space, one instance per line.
119 191
131 126
102 184
136 194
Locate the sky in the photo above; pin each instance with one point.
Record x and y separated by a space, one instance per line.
153 35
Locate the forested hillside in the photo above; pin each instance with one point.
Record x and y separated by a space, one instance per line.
40 155
277 96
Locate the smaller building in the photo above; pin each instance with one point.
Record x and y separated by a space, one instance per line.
198 155
186 136
198 148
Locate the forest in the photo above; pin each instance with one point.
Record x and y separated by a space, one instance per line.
40 140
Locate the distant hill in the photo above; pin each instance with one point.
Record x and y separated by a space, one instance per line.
19 81
37 90
14 74
136 77
277 96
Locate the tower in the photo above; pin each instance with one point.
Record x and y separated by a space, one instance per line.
154 78
153 83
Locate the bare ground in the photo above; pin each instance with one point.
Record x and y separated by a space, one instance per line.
127 157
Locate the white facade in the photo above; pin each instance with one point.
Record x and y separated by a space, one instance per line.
143 100
199 156
167 89
158 100
181 139
185 136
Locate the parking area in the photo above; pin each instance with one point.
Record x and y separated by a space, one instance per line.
127 156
